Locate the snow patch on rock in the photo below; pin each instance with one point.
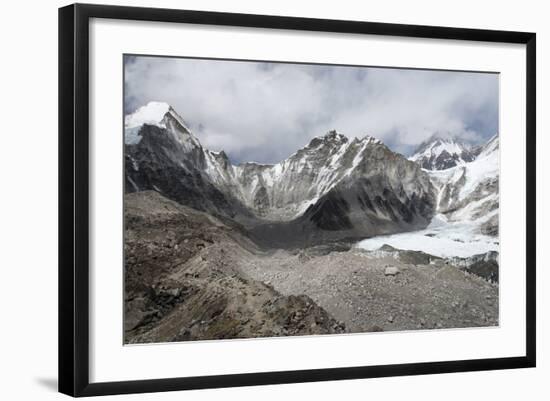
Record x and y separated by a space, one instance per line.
152 113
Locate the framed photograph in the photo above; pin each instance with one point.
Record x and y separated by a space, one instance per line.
251 199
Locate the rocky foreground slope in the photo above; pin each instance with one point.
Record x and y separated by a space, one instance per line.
183 282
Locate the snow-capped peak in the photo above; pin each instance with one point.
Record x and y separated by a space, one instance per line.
330 137
436 146
370 140
152 113
439 153
158 114
333 134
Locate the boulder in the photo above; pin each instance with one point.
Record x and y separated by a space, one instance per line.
391 271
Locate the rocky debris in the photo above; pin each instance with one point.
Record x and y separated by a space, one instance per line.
325 249
181 281
490 227
353 288
416 257
391 271
484 265
486 269
152 305
375 329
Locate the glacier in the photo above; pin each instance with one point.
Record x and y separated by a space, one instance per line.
467 201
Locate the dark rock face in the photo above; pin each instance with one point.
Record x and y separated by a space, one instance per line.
261 201
159 162
385 193
445 160
331 213
483 265
490 227
351 202
488 269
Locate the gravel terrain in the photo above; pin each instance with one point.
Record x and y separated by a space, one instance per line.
182 281
354 286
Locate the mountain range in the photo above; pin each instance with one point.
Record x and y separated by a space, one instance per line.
470 191
333 188
441 153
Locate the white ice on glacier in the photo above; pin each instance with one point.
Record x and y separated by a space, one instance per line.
441 238
486 165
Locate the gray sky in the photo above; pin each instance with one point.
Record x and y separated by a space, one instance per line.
265 111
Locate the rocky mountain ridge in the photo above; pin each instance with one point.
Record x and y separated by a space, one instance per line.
441 153
333 185
471 191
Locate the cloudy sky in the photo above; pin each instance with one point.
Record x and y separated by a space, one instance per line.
264 112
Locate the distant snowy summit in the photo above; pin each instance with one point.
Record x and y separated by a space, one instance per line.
158 114
438 153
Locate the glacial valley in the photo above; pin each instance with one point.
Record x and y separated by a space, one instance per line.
344 235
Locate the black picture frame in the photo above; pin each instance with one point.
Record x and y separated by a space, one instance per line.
74 198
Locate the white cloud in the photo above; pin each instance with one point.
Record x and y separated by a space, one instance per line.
265 111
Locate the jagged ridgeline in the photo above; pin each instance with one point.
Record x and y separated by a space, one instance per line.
467 180
332 188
